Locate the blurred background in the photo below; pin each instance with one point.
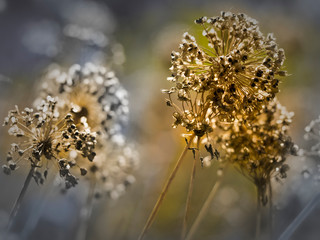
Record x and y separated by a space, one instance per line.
135 38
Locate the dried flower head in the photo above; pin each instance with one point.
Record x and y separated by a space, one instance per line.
259 148
45 136
112 169
96 98
230 77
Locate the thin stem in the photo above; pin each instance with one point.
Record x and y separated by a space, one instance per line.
37 209
85 213
204 208
164 190
300 218
18 202
188 204
270 210
258 219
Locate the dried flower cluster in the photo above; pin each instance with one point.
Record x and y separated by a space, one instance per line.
79 128
224 91
44 137
230 78
259 148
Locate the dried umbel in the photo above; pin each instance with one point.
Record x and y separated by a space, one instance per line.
229 74
45 136
96 98
259 148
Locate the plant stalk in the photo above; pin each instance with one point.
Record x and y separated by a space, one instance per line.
188 203
300 218
86 212
37 209
165 190
204 209
270 210
258 217
18 202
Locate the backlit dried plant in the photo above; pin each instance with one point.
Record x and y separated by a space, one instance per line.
230 77
226 76
259 149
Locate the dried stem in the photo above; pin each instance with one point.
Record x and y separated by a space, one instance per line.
86 212
258 217
270 209
37 210
188 204
164 190
204 208
300 218
18 202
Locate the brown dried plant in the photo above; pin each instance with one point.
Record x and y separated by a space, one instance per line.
226 76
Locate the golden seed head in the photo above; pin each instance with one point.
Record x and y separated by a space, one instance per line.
230 77
259 148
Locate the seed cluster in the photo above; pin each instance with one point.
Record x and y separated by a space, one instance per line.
230 77
259 149
44 137
224 91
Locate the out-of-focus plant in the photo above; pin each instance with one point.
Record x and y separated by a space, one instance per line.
258 150
81 127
